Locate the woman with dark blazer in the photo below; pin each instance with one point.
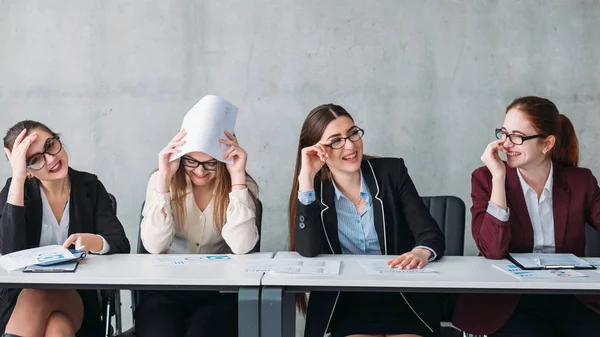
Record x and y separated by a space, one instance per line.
342 203
44 203
537 201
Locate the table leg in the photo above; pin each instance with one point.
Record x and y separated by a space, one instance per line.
278 313
249 312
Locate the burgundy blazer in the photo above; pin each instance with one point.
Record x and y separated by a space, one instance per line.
575 202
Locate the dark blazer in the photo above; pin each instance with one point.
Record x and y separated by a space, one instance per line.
90 211
575 202
402 222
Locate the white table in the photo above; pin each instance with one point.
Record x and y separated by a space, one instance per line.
468 274
140 272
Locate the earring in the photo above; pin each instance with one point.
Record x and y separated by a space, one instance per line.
544 151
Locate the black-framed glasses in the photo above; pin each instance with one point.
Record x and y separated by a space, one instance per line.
338 142
514 138
210 165
52 146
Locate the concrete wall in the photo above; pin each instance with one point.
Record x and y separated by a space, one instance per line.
427 80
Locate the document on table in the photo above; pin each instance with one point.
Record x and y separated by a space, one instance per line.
549 261
521 274
306 266
257 266
186 260
380 267
28 257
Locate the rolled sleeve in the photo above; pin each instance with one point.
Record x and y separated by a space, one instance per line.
498 212
307 197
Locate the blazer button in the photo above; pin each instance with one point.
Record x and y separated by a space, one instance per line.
301 218
197 244
302 225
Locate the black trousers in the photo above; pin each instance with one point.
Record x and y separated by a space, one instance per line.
550 316
186 314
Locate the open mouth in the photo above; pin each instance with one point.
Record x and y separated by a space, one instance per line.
56 168
351 157
201 176
513 154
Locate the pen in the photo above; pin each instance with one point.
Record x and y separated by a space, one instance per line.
557 267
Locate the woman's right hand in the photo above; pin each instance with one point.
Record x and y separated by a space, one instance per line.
313 158
166 169
17 155
492 160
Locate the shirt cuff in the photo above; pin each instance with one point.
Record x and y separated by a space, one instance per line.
498 212
105 247
306 197
433 254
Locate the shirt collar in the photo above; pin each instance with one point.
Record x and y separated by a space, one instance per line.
547 187
364 189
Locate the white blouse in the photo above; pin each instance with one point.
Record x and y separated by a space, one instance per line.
198 234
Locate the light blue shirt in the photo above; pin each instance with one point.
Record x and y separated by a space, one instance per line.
356 232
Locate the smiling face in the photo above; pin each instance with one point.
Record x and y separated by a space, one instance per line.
346 159
531 152
56 165
200 176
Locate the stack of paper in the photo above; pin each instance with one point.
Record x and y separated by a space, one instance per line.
307 267
380 267
41 255
521 274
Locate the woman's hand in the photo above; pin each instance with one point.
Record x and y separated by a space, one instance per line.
84 241
416 258
17 155
237 170
166 169
313 158
492 160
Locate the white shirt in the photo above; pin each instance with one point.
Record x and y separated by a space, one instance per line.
540 213
54 233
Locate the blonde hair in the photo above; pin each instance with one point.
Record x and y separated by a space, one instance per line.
222 188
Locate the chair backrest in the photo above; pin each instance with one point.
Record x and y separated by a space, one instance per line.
113 201
449 213
592 242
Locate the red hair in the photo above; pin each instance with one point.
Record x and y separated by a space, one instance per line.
545 118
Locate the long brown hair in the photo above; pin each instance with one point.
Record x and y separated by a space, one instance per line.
545 118
222 188
312 130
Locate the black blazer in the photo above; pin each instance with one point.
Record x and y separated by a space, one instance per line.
402 222
90 211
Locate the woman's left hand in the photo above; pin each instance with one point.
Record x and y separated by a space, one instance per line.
416 258
87 242
237 170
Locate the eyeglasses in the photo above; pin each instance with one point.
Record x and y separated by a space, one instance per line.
52 147
514 138
210 165
339 142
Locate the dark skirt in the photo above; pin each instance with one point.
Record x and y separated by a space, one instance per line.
375 314
186 313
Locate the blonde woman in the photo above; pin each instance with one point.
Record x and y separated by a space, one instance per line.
196 204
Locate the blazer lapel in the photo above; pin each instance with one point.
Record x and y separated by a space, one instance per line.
329 214
378 217
561 196
33 204
516 203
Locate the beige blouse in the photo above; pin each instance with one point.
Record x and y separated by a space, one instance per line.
199 234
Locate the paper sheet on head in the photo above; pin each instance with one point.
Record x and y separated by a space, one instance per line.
204 124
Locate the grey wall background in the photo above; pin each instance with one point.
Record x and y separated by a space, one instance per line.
427 80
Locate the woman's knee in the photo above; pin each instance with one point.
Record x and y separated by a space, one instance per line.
59 324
